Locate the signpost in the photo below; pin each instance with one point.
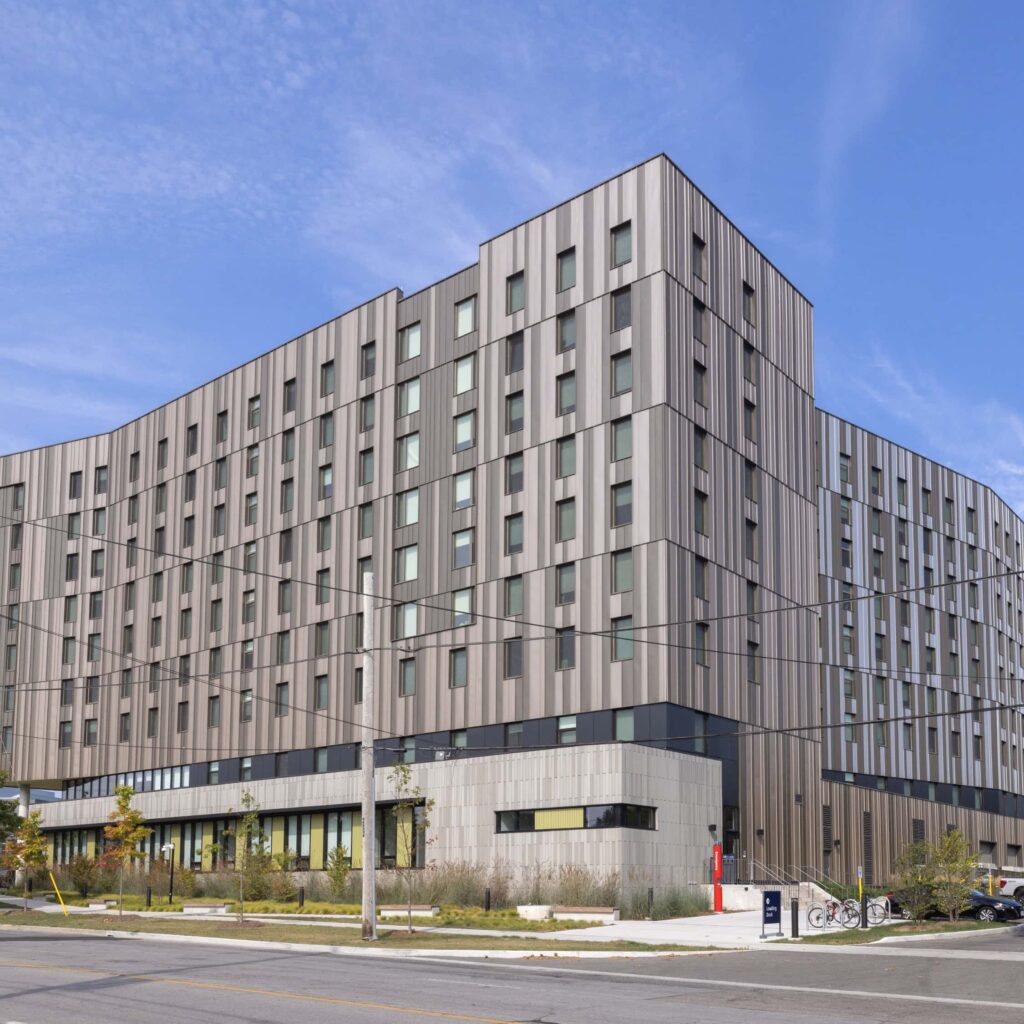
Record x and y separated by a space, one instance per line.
771 911
716 876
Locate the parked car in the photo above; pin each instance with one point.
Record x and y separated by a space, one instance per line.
1011 885
994 908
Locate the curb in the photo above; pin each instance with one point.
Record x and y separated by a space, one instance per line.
938 936
400 954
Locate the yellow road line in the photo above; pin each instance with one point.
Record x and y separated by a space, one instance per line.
188 983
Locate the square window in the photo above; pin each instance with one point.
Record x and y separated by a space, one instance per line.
515 292
514 352
515 408
465 316
566 269
622 244
409 342
565 326
622 309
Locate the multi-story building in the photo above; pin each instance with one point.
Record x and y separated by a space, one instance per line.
586 473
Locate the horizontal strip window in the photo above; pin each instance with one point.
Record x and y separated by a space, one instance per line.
976 798
561 818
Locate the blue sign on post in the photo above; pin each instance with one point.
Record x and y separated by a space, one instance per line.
771 910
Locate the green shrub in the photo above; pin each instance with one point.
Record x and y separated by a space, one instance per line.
338 871
83 874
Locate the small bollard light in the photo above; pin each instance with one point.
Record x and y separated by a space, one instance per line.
650 903
302 896
487 899
863 910
794 919
149 896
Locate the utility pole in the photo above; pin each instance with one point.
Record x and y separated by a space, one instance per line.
366 766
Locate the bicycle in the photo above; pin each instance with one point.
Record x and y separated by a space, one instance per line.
820 915
878 911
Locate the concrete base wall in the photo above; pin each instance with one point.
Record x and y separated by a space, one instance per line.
685 790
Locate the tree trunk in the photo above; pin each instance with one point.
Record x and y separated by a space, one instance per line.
241 898
120 892
24 883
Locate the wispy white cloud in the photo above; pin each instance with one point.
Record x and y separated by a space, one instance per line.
875 44
984 440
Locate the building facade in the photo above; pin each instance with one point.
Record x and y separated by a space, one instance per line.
587 473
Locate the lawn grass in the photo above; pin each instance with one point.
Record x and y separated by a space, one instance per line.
913 929
266 931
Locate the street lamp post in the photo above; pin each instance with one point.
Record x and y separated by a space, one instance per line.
169 848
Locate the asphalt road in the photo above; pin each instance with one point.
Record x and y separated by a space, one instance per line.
96 980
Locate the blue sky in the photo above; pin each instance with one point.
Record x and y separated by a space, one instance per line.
184 185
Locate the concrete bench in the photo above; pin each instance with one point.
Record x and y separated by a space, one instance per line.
204 908
602 915
418 910
101 904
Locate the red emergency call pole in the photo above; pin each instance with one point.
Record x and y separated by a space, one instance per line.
716 875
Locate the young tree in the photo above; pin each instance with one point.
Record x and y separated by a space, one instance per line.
412 819
9 817
956 870
915 879
25 849
252 859
337 871
126 830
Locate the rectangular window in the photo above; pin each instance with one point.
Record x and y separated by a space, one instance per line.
514 353
251 508
289 395
622 309
700 643
409 342
325 488
465 431
321 693
406 563
367 360
408 452
515 293
514 595
622 503
463 489
622 373
407 677
213 712
565 327
89 733
622 438
280 700
565 649
409 397
565 583
622 571
514 412
750 540
698 319
700 512
365 520
323 586
750 421
326 430
366 466
514 533
514 473
462 607
749 363
465 316
405 620
699 384
407 508
253 413
622 244
565 519
566 270
133 467
101 479
462 548
513 657
565 457
565 390
698 257
622 638
327 378
749 305
183 716
161 453
458 667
